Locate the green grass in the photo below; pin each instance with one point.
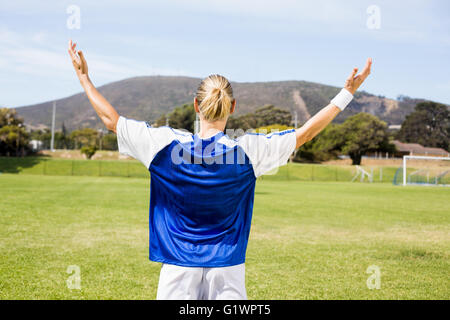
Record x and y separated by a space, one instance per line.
309 240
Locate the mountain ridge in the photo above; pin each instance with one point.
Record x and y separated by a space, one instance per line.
148 97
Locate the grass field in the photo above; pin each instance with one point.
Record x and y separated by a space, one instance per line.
309 240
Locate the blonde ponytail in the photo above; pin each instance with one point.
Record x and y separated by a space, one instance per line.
215 97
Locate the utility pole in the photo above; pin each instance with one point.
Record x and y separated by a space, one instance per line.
52 142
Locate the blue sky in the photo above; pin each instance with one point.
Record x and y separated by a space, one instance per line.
319 41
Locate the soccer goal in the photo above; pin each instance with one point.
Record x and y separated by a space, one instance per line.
426 171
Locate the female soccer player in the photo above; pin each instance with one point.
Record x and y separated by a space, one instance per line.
202 186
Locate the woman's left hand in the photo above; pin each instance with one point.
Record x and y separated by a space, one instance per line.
354 81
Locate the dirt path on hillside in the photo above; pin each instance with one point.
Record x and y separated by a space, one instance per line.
298 100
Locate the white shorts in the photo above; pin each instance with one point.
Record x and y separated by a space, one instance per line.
188 283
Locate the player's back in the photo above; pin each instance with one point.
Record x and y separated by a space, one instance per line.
202 189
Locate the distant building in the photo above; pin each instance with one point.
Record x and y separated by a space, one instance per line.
36 145
415 149
394 127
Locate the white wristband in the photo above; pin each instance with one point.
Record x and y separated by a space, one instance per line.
342 99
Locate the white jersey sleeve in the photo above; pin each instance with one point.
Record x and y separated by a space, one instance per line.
141 141
267 152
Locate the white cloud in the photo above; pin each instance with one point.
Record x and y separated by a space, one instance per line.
31 55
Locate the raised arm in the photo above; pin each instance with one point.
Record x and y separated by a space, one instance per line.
104 109
320 120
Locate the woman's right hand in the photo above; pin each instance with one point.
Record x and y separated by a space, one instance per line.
79 63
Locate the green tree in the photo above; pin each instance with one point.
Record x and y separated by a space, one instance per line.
263 116
428 125
63 138
110 141
88 151
183 117
360 134
84 137
162 121
180 118
270 114
326 146
62 141
243 122
14 139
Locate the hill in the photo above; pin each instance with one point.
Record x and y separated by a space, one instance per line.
147 98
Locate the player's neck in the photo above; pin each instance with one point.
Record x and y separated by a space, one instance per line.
209 129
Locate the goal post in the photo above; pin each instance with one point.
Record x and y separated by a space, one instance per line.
428 171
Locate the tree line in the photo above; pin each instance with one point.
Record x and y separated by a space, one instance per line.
15 139
428 125
76 139
355 137
358 135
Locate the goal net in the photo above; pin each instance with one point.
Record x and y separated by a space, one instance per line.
425 171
